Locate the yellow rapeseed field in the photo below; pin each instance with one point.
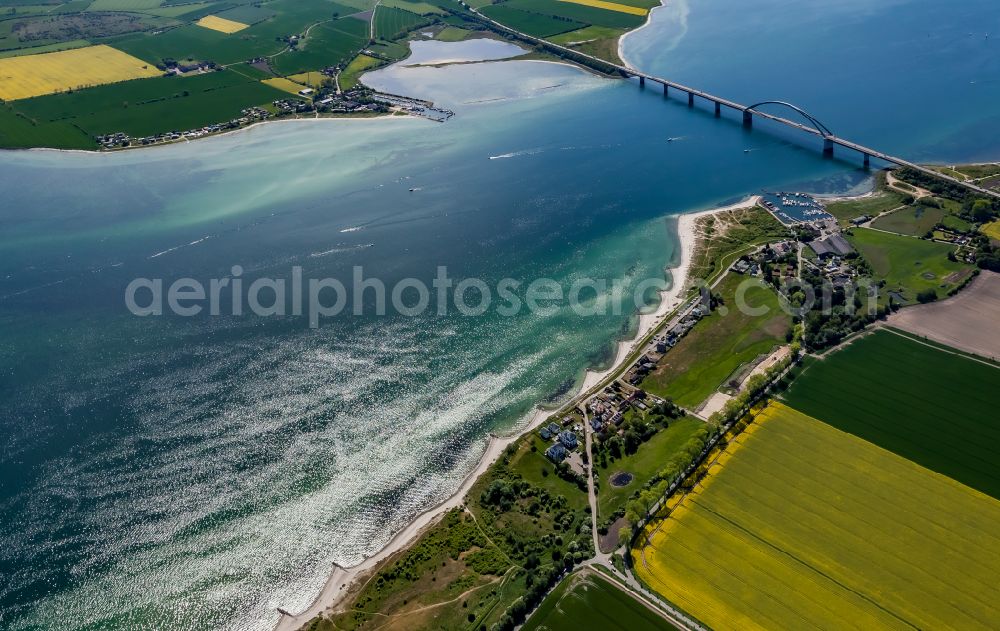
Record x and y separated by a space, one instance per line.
610 6
222 25
47 73
806 526
285 85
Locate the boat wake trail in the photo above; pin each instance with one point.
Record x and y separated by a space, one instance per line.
517 154
178 247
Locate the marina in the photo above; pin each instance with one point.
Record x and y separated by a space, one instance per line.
794 208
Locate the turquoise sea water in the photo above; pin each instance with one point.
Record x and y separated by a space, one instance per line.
201 472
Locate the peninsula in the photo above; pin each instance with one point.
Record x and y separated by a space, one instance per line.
114 74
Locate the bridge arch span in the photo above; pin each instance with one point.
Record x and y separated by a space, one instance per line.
823 130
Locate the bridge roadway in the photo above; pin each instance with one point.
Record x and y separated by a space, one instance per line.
749 112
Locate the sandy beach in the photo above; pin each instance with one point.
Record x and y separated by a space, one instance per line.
669 299
341 579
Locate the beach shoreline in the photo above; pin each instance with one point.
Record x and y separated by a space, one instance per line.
245 128
341 579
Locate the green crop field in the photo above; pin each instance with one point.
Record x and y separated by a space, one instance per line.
292 17
198 109
584 600
327 45
935 408
535 24
123 5
69 105
805 526
650 458
712 351
147 107
909 265
18 132
180 11
48 48
391 23
420 8
197 43
578 12
916 220
247 14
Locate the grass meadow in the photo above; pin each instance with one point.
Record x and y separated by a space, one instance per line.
909 265
650 458
874 205
803 525
712 351
915 220
358 66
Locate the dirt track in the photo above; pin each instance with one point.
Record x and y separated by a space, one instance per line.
970 321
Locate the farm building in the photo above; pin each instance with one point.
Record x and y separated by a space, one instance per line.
834 245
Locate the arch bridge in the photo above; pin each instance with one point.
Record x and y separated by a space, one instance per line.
814 126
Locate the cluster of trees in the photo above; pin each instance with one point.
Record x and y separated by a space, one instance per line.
926 295
987 256
544 558
936 185
980 210
503 493
836 312
974 208
508 492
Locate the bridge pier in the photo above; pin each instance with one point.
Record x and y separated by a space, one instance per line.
690 99
718 109
642 82
666 88
747 118
827 148
868 161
